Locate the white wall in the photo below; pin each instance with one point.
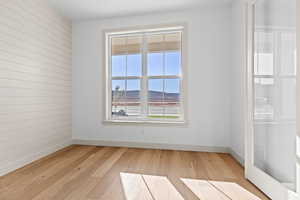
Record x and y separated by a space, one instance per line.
238 82
298 98
35 82
209 80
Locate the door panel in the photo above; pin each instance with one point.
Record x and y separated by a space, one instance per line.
271 138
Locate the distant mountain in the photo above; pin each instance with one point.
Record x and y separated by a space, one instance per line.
154 96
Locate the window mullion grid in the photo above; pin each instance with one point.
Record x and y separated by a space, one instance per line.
165 77
144 86
126 74
125 77
109 99
144 101
181 99
164 73
254 74
277 105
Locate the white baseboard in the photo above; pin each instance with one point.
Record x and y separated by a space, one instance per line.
237 157
152 145
11 166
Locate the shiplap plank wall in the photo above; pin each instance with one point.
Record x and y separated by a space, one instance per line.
35 82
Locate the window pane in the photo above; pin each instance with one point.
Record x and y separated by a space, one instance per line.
172 42
264 105
118 85
133 97
134 45
118 67
126 56
172 86
265 64
126 45
172 98
164 42
155 64
264 53
155 98
118 46
155 43
288 54
155 88
134 57
118 98
134 65
264 81
173 63
288 99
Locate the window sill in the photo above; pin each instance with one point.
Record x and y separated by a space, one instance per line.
148 122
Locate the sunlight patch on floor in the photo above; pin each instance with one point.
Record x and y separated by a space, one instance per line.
150 187
218 190
135 187
204 190
140 186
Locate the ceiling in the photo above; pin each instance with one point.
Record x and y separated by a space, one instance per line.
88 9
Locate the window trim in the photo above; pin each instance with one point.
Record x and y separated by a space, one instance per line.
183 76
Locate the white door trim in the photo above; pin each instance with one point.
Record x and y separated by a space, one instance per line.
298 96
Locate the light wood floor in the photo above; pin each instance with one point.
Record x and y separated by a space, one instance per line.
107 173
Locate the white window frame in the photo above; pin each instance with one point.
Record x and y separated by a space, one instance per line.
144 78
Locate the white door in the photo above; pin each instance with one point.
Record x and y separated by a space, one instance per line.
271 122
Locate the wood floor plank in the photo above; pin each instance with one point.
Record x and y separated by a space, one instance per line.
81 193
37 187
105 182
105 167
114 192
161 188
109 173
178 168
216 168
90 181
234 191
197 168
33 186
204 190
36 168
236 167
153 165
75 177
145 163
140 162
134 187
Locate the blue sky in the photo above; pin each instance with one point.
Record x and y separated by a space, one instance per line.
155 67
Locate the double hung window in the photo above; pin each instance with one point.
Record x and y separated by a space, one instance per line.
144 79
